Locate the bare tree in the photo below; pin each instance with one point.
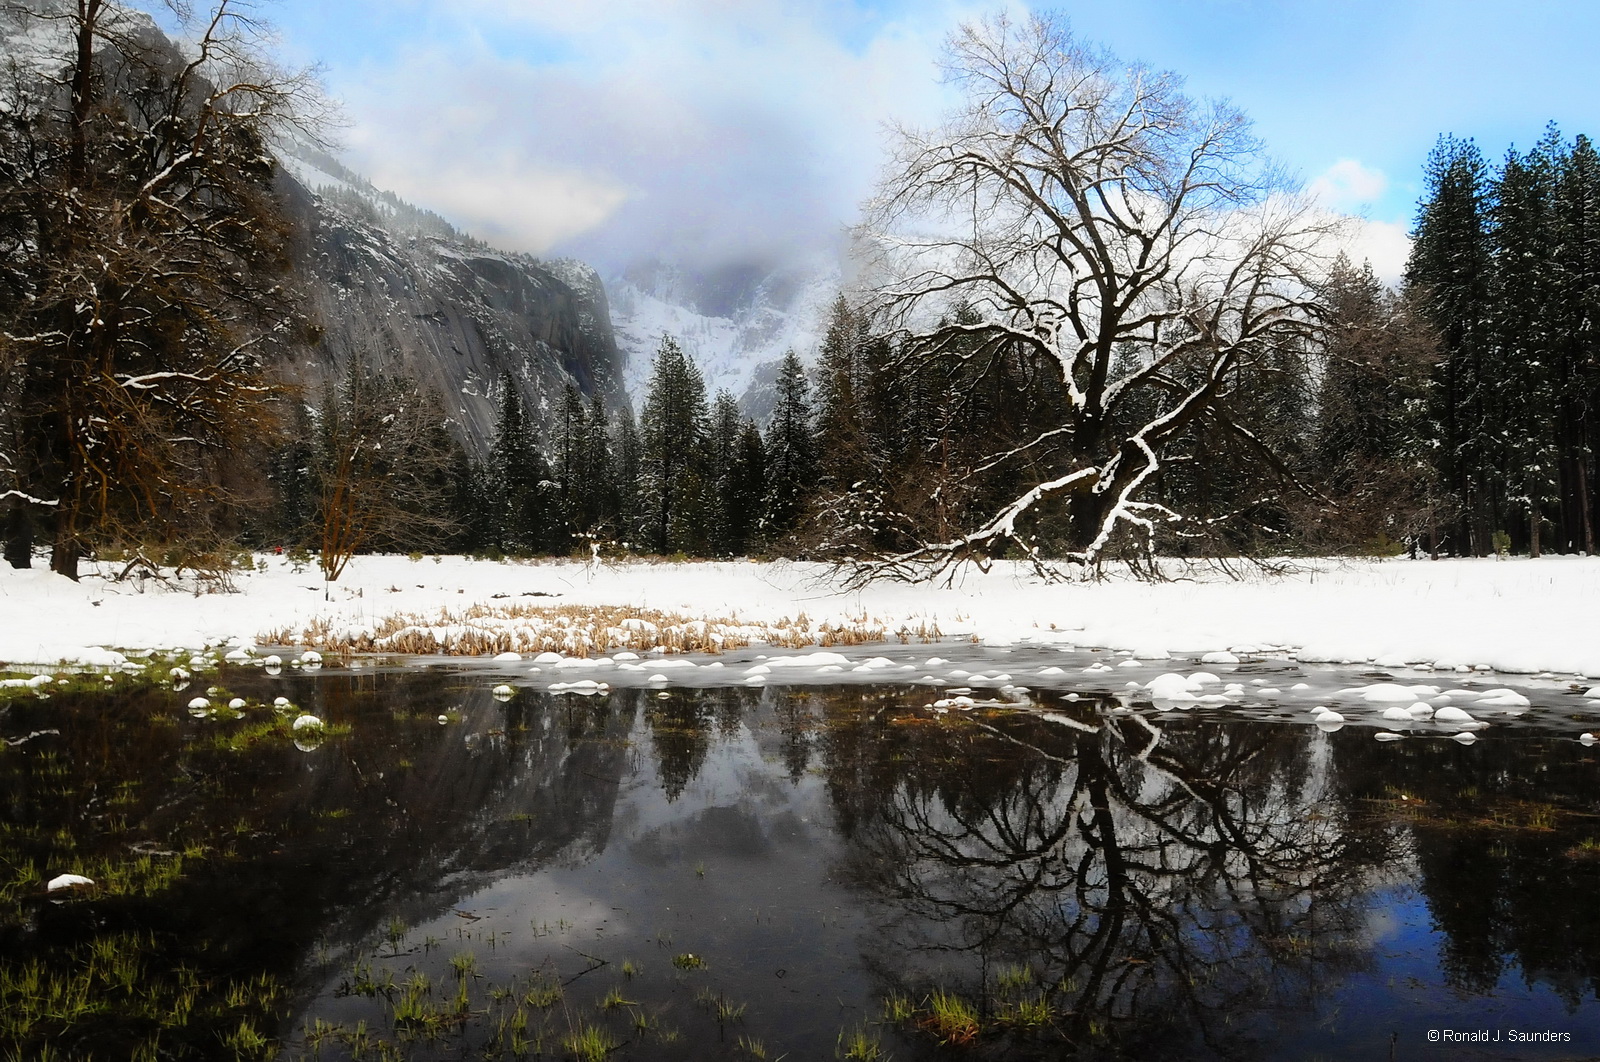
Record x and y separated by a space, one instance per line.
385 466
144 260
1088 217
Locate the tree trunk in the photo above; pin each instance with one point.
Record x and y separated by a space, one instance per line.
17 531
1583 507
1533 530
65 555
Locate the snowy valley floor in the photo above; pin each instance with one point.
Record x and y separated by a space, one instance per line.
1516 615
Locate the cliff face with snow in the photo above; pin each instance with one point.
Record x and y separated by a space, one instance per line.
399 289
735 325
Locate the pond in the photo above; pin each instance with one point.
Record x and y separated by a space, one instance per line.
830 860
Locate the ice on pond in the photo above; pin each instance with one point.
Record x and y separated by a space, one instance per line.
1391 692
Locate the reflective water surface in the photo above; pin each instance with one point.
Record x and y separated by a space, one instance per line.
804 871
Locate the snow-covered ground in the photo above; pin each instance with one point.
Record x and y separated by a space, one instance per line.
1517 615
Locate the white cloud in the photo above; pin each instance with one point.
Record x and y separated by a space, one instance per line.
703 130
511 207
1348 185
1385 244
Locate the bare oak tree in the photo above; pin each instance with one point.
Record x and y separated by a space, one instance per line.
144 265
1084 215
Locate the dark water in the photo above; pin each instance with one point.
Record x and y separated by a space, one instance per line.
1070 880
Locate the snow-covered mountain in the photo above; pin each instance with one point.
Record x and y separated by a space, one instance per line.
398 286
735 323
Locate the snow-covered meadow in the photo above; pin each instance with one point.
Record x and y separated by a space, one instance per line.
1517 615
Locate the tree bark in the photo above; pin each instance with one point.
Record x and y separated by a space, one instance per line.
1583 507
17 530
65 555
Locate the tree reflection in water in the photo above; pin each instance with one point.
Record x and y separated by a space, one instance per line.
1162 885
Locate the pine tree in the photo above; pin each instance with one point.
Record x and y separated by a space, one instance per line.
599 470
791 451
1449 271
1576 370
738 464
474 505
521 487
724 531
629 507
571 465
747 486
293 478
1523 311
843 458
673 471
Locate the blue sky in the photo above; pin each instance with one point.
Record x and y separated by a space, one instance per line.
710 130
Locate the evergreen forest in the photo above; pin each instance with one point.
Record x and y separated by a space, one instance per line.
1453 416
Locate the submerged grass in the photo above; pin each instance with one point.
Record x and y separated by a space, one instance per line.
107 986
589 1043
951 1019
858 1045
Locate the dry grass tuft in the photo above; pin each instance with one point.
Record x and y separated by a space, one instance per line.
578 630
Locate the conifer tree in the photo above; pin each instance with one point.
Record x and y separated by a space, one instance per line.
571 471
1523 312
629 505
790 450
673 471
747 486
726 420
1576 368
293 478
843 458
599 507
1449 269
738 464
520 480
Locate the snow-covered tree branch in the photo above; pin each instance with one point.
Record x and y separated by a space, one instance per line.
1081 219
142 264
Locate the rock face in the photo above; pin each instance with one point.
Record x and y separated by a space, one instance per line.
399 289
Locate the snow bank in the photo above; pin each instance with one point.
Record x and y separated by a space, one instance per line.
1518 615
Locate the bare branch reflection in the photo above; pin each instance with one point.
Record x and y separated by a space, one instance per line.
1151 884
